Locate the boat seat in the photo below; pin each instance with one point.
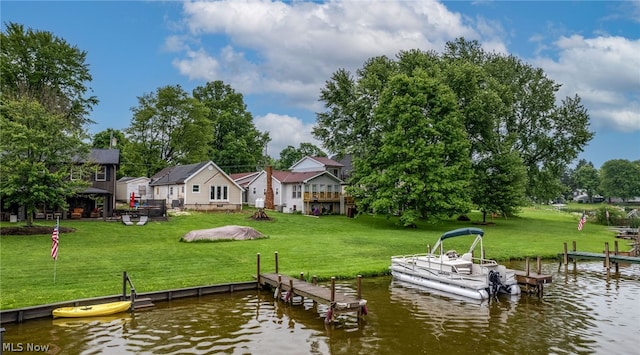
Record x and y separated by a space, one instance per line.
466 257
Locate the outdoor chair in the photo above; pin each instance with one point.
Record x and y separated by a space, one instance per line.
126 219
77 213
143 220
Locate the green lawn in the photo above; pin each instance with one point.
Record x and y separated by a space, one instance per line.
92 259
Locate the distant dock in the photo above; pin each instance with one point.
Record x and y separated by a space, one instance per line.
616 257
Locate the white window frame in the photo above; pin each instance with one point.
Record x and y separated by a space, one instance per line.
219 193
195 188
101 173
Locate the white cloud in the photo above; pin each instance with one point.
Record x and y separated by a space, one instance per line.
284 131
605 73
292 49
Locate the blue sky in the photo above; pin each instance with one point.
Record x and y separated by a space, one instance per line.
279 54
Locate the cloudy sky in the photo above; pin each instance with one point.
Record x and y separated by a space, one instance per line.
279 54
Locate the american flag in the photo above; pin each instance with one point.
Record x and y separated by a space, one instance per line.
54 243
583 220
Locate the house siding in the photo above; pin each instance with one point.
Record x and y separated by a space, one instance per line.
126 187
202 199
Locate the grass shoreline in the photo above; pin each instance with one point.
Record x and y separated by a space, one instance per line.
91 259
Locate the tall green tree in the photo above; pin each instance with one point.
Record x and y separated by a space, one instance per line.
588 178
290 155
422 168
235 144
167 129
499 184
507 106
620 178
44 113
39 149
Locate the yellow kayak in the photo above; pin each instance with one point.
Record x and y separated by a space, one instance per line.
92 310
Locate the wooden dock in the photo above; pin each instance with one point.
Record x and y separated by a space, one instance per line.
533 282
616 257
292 287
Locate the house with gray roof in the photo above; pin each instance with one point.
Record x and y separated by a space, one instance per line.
202 186
99 199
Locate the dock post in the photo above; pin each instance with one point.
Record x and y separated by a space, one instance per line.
565 257
314 280
575 248
606 256
290 293
124 284
527 267
359 289
278 291
615 252
539 265
276 255
333 289
302 276
258 268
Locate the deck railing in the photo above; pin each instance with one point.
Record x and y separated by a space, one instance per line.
322 196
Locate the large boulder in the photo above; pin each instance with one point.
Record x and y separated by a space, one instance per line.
223 233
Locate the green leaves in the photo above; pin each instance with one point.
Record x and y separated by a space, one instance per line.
430 118
235 143
168 127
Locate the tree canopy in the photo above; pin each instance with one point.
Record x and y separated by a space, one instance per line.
235 143
620 178
168 127
39 66
43 118
520 138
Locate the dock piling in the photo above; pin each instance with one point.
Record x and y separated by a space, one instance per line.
258 268
607 260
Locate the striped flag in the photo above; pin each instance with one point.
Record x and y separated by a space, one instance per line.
583 220
54 243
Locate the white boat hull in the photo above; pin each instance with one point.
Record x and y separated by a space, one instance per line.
441 285
433 275
463 275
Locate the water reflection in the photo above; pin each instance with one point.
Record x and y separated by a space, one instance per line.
584 311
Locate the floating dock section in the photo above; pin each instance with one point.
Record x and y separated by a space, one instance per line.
291 287
533 282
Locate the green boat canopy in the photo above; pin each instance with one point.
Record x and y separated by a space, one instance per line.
461 232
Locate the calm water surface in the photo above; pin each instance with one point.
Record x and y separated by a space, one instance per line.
583 311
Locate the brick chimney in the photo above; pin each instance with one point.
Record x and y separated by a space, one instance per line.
268 201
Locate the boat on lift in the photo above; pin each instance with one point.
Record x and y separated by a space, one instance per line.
463 275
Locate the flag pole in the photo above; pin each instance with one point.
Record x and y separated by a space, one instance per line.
54 247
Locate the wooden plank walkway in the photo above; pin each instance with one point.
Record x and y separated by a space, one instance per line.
338 302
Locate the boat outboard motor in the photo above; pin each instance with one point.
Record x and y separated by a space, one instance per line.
496 284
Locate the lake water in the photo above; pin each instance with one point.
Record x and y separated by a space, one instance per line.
584 311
